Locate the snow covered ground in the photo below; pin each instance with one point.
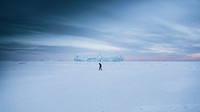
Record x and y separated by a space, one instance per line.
139 86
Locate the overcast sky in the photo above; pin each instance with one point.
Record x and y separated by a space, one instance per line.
135 29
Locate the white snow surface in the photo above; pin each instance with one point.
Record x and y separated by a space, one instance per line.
138 86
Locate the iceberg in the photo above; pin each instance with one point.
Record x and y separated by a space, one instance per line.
98 58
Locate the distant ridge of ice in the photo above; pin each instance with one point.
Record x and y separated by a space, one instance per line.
98 58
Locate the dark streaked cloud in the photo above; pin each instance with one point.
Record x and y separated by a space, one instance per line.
147 28
18 51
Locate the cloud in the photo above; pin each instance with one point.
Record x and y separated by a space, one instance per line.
161 49
195 56
95 45
137 28
71 41
180 30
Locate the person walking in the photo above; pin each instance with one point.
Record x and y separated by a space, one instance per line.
100 66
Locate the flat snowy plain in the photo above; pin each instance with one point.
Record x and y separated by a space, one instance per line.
138 86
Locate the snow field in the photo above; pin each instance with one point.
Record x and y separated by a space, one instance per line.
139 86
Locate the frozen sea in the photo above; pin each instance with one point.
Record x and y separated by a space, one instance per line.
138 86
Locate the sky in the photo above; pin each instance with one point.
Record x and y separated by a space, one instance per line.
134 29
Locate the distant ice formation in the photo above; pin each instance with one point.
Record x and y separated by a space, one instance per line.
98 58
